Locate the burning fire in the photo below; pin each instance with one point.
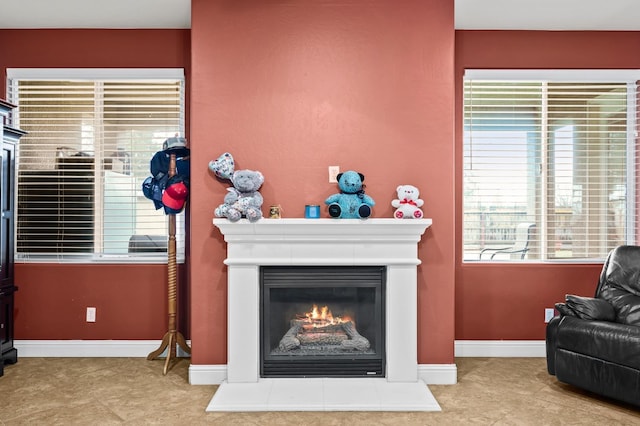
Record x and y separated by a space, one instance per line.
322 317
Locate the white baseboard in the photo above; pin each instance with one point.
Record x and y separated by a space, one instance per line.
434 374
207 374
90 348
438 374
501 348
141 348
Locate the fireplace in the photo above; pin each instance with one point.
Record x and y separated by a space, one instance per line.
318 248
322 321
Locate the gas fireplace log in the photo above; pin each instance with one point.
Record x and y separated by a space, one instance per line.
310 338
320 328
357 342
316 326
289 340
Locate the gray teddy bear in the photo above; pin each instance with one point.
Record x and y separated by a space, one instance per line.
243 199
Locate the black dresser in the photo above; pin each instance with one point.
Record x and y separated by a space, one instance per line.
9 137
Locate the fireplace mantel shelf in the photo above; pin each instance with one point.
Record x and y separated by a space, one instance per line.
319 230
323 241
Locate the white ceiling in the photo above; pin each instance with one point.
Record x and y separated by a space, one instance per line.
548 14
95 13
469 14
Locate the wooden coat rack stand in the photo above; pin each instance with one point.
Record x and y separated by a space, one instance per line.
172 337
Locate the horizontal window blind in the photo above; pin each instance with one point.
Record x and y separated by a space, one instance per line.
556 155
82 164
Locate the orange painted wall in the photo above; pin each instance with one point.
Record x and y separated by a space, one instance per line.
500 301
131 300
290 88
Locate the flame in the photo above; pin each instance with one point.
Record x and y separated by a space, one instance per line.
322 317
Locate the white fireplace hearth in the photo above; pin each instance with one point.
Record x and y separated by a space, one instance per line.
391 243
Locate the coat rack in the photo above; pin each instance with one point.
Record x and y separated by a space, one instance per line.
172 337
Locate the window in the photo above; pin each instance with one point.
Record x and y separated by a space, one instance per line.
91 136
552 149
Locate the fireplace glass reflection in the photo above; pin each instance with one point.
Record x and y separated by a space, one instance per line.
322 321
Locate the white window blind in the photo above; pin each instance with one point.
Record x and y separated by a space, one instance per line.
91 135
553 155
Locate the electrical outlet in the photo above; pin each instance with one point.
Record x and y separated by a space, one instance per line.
548 314
333 174
91 314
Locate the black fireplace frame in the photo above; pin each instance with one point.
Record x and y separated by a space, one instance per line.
372 278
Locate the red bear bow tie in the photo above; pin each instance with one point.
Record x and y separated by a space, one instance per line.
405 201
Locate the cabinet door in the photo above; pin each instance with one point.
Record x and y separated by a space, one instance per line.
7 174
6 327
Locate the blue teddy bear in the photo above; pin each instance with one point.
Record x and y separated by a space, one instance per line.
352 202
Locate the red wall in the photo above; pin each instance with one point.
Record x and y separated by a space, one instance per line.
500 301
93 48
131 300
293 87
51 301
290 88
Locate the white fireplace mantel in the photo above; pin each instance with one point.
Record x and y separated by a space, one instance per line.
323 241
392 243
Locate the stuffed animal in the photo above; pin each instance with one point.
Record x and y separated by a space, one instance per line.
352 202
223 166
243 198
408 203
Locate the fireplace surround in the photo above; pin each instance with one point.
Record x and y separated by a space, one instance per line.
388 243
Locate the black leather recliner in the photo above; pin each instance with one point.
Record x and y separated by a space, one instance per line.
594 343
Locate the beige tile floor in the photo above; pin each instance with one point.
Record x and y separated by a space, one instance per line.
104 391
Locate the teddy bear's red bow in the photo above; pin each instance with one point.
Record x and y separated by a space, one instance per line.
405 201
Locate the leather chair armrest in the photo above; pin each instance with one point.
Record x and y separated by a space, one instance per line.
590 308
565 310
604 340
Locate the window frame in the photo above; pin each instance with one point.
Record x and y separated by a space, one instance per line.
631 77
110 75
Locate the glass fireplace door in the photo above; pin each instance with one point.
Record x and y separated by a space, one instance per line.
322 321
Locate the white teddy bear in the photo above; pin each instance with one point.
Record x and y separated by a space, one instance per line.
408 203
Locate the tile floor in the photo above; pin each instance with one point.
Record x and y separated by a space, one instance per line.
133 391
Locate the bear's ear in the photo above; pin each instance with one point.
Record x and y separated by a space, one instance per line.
260 177
338 176
361 177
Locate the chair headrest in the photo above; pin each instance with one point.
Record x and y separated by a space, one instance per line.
622 269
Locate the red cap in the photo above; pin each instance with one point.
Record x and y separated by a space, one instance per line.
175 195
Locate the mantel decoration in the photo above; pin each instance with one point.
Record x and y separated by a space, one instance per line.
351 202
408 203
168 188
243 198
